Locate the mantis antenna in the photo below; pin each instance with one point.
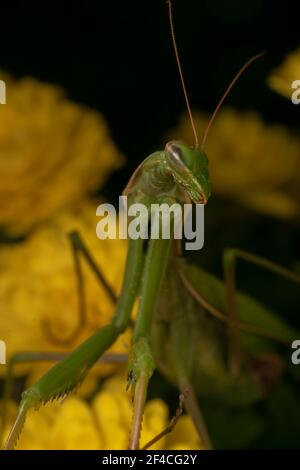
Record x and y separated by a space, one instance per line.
181 74
235 79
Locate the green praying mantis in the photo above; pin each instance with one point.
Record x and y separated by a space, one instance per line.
201 333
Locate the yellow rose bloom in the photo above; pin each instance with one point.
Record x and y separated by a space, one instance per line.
38 289
281 79
52 153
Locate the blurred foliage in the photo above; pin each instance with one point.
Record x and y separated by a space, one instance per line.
102 423
52 153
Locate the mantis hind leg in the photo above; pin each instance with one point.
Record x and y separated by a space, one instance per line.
187 400
231 319
79 248
193 408
230 257
169 428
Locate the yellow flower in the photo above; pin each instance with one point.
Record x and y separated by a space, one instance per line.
38 288
282 77
254 163
52 153
103 424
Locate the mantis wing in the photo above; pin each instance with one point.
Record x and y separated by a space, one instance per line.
190 344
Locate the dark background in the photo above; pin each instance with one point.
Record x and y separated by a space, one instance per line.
116 57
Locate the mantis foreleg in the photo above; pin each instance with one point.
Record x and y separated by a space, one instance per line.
37 356
141 362
68 374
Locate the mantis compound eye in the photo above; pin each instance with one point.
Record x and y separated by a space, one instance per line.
174 151
189 167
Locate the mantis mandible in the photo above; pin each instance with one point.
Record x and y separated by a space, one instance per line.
185 315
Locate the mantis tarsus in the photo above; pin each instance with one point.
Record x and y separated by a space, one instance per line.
185 315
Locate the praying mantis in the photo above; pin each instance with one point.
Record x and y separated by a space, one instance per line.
196 329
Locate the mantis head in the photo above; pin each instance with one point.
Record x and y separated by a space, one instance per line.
189 167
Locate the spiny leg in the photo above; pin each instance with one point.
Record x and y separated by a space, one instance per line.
230 257
69 373
64 377
78 247
41 356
